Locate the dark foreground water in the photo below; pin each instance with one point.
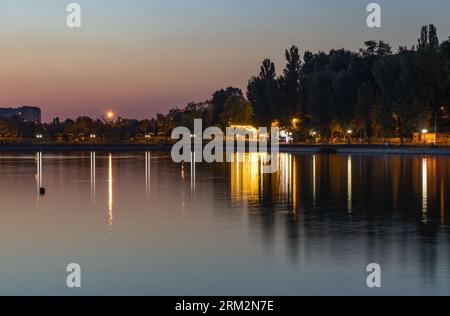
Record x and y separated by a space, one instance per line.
139 224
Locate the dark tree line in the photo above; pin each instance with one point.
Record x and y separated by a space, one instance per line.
375 92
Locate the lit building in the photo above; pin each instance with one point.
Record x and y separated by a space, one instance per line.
247 132
27 113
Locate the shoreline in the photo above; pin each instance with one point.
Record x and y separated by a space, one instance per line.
292 148
366 149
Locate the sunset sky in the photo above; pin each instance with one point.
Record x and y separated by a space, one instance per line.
141 57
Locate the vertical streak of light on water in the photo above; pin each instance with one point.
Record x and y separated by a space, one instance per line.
39 180
147 172
349 185
425 189
110 193
193 172
314 181
93 172
261 175
294 187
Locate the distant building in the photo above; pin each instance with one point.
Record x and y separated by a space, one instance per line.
27 113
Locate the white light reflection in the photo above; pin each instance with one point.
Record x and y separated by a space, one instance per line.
193 172
38 170
147 172
93 172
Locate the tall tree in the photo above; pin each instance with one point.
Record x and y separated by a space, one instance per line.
395 75
290 86
263 92
432 73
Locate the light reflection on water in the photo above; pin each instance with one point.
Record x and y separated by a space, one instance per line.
110 192
137 227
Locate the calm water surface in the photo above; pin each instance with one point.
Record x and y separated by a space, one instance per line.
139 224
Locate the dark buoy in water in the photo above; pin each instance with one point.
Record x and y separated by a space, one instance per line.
42 191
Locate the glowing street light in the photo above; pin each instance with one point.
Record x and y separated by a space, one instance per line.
295 121
349 135
313 133
424 131
110 116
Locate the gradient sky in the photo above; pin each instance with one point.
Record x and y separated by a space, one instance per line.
141 57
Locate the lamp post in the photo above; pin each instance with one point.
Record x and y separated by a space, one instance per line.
109 117
314 134
424 133
349 134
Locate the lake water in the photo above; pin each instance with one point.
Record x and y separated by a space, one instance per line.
139 224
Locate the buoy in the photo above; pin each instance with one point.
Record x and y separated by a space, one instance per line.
42 191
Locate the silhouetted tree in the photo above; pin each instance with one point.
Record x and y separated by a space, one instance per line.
263 92
290 87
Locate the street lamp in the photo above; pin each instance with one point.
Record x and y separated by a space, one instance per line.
110 116
295 121
314 134
424 132
349 135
